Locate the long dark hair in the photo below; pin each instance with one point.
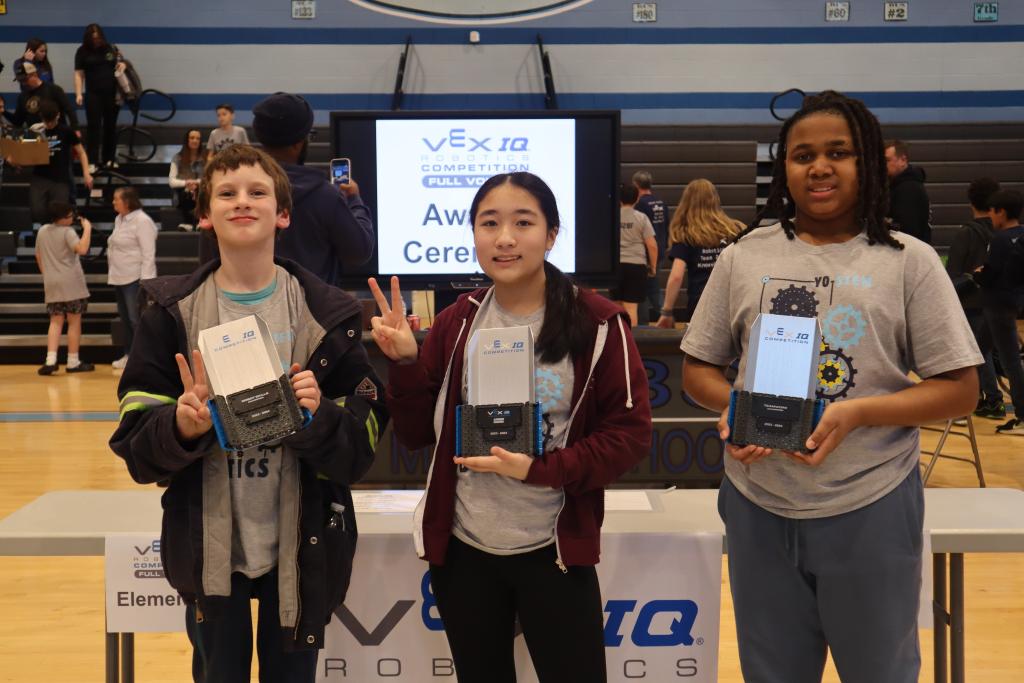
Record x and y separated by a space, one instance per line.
94 29
185 155
567 325
873 195
34 44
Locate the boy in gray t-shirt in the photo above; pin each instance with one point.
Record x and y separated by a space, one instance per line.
226 133
57 250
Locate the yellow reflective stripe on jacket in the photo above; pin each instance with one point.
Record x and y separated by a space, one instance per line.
141 400
372 425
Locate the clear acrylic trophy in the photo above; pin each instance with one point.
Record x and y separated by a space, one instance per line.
251 398
777 407
500 409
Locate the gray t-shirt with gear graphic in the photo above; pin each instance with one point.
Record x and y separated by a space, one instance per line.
884 312
498 514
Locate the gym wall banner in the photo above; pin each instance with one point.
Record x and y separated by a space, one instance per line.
662 596
139 599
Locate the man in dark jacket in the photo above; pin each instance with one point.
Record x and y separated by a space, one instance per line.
331 226
967 253
908 201
26 113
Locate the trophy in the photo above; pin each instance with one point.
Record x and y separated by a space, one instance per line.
500 408
251 398
777 407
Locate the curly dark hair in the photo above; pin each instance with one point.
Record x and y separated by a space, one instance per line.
873 196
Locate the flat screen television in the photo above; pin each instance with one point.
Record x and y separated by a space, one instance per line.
418 172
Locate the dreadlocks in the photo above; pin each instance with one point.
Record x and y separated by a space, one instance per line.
873 196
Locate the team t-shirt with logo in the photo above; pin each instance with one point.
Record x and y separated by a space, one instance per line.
254 474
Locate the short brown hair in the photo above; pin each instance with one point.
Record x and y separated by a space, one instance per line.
901 148
235 156
130 197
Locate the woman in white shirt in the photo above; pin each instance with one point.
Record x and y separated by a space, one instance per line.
184 175
131 257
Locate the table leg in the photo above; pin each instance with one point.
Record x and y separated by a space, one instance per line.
111 658
940 616
956 617
127 658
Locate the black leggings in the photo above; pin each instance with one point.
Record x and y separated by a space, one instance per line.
479 596
101 114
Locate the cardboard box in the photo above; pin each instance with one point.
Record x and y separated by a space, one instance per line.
26 152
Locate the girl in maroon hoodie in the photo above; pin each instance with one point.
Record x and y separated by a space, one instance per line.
508 535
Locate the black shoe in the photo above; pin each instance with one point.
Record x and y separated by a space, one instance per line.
1011 426
47 369
993 411
81 367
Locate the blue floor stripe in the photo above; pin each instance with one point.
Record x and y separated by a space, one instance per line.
70 416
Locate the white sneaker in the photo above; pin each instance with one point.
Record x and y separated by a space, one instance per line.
1011 426
92 168
120 363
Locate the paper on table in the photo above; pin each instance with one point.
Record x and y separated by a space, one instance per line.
386 501
627 501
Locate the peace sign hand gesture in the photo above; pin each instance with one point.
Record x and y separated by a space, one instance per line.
390 329
192 415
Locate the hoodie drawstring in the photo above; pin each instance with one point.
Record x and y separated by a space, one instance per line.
625 361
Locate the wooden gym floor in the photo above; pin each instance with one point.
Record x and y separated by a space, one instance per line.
51 609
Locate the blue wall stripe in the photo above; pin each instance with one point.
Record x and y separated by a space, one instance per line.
72 416
488 101
153 35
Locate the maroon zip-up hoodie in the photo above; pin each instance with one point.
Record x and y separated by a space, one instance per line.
609 431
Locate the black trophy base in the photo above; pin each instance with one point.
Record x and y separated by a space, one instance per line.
253 417
783 422
515 427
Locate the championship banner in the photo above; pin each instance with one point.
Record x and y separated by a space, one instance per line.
662 596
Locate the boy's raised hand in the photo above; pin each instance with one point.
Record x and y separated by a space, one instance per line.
390 329
306 388
192 415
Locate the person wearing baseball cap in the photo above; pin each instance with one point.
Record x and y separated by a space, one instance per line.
331 226
34 92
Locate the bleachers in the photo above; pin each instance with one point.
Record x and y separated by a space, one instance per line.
952 156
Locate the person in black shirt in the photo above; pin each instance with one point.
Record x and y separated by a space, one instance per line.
655 210
908 200
95 64
35 91
698 233
1002 289
52 182
968 251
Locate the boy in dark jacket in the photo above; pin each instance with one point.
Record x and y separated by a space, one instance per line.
275 522
967 252
1003 295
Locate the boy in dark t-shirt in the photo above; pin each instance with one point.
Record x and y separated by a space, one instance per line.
52 182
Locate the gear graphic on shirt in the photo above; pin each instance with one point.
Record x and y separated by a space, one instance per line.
843 327
793 300
547 387
835 373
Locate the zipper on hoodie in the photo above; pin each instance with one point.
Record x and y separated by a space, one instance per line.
298 548
586 387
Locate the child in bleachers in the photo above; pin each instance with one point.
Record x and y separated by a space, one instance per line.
67 296
226 133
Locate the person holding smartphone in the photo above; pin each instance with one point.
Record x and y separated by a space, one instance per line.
331 226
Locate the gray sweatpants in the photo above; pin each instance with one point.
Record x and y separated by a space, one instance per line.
850 583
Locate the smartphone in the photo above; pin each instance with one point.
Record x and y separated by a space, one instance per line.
341 171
